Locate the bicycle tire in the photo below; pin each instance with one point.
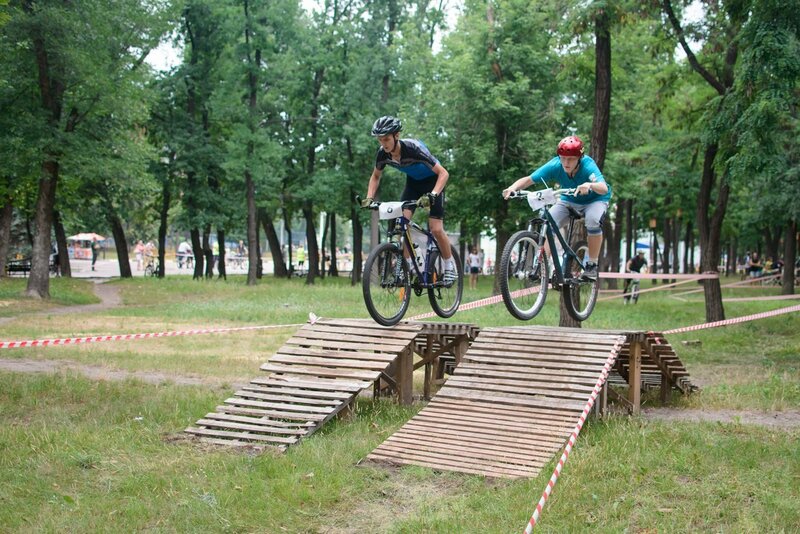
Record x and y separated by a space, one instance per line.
635 293
445 300
581 293
524 283
148 270
385 296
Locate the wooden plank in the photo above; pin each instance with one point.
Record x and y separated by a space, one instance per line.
378 334
453 462
485 471
501 427
349 354
295 427
542 347
240 435
542 379
280 406
517 393
492 355
473 451
324 384
305 393
309 361
309 337
227 425
470 405
237 443
280 414
502 371
513 400
288 399
491 436
368 376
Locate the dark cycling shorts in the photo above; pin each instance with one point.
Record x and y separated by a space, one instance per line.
416 188
475 270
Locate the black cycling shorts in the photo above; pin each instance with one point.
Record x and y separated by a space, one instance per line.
416 188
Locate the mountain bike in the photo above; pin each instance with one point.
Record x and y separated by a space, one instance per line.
632 291
151 267
525 273
388 279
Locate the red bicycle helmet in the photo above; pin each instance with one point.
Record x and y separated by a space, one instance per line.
570 146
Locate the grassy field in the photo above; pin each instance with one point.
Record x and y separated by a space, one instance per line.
83 455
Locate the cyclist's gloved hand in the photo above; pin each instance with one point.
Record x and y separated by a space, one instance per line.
427 200
367 202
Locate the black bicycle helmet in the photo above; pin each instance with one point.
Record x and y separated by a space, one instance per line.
386 125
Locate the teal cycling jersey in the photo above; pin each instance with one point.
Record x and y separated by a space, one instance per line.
588 171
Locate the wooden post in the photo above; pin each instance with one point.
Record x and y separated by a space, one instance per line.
405 376
635 375
426 386
460 347
666 389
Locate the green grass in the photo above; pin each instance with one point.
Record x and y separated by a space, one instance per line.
82 455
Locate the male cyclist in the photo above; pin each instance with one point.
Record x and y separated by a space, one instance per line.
634 265
425 181
572 169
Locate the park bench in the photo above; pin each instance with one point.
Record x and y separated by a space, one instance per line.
22 267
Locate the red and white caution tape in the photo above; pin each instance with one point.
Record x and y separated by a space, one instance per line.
574 436
127 337
661 276
480 303
743 319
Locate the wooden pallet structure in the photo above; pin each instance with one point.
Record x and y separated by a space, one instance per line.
509 406
649 360
315 375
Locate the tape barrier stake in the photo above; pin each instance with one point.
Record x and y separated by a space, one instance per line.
574 436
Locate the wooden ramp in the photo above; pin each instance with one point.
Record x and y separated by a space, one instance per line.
316 374
510 405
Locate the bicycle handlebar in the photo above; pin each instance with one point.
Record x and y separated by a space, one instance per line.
524 193
376 204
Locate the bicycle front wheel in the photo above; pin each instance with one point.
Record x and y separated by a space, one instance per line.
523 275
581 292
445 299
386 285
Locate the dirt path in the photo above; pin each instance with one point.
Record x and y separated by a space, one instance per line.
95 372
107 293
788 419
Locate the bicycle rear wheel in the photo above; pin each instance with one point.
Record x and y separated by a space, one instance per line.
581 292
445 300
386 286
523 275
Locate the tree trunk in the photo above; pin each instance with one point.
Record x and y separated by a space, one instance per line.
197 250
278 265
789 258
252 227
121 244
710 228
209 254
287 223
630 234
5 231
322 255
311 242
358 245
334 268
163 217
39 280
221 256
61 244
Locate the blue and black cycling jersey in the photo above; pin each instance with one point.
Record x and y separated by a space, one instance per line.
416 160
